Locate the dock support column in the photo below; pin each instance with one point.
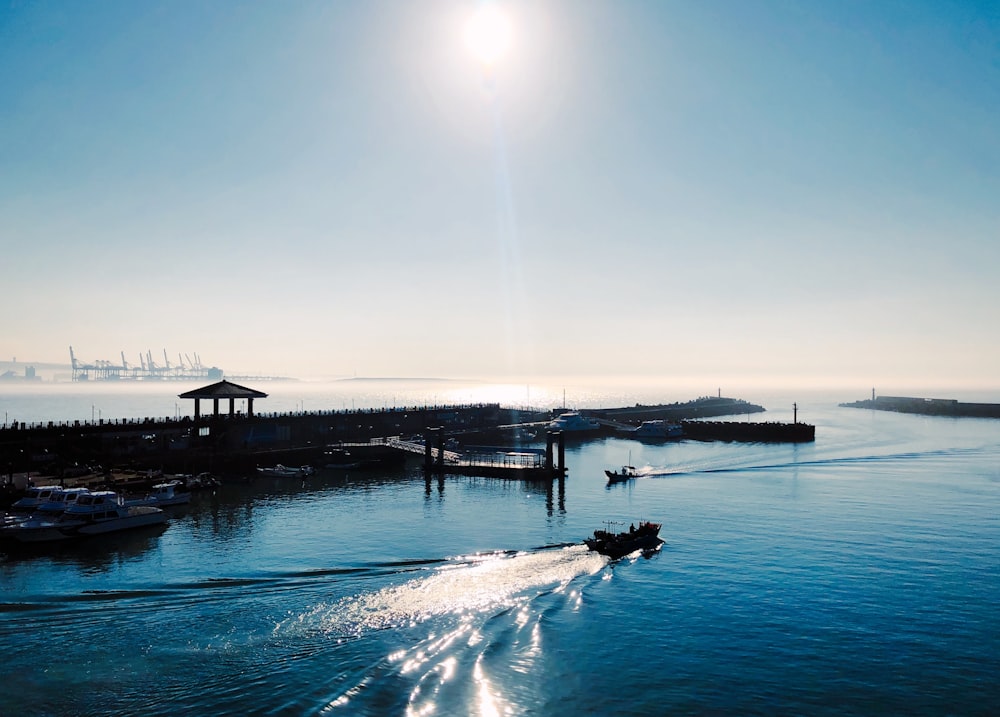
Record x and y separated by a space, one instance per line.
562 453
428 441
440 447
548 451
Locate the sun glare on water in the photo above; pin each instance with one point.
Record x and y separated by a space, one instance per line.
488 35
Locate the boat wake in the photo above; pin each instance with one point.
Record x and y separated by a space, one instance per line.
477 626
748 466
470 584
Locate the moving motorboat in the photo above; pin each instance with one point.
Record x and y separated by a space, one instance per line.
626 473
646 537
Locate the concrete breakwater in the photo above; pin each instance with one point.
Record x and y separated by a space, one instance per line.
761 432
928 406
705 407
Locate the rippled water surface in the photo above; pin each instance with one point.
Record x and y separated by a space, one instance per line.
855 575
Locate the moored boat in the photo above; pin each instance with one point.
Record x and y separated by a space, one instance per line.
93 513
164 495
33 497
281 471
59 500
645 537
104 512
574 422
339 459
658 431
35 529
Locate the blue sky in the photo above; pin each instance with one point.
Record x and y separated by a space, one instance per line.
753 191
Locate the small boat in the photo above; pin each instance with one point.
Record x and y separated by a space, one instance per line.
59 500
627 472
33 529
281 471
340 459
617 545
658 430
202 481
33 498
164 495
574 422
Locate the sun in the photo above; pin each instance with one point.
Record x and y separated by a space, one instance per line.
488 35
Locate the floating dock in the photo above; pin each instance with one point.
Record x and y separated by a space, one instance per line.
521 464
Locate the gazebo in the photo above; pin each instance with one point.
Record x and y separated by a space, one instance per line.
223 389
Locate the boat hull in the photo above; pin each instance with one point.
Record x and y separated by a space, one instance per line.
616 477
618 545
138 517
30 532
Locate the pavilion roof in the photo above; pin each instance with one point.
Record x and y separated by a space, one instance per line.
223 389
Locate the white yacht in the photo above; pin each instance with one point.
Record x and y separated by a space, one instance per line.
104 512
574 422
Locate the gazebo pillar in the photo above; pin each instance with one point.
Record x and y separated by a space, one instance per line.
232 407
215 407
249 407
197 409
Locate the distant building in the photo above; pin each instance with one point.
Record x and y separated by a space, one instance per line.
29 375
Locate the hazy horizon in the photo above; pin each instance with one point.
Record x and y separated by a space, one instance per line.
507 389
713 194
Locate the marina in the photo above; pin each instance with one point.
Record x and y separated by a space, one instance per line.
229 441
489 359
866 556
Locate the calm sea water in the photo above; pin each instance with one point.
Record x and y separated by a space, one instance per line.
855 575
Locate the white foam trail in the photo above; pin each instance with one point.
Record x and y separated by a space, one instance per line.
486 585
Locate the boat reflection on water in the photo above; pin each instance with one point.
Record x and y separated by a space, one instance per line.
97 554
